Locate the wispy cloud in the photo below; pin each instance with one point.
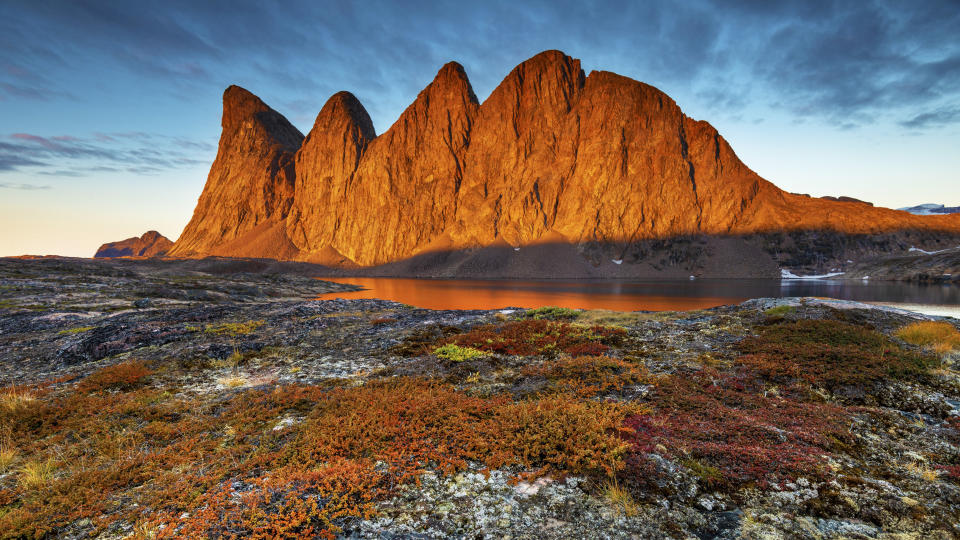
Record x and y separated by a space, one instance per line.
73 156
940 117
847 63
25 187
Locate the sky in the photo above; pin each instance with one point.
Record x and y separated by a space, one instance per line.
110 110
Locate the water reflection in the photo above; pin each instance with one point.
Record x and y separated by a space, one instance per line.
650 295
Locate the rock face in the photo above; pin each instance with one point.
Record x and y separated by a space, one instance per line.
250 187
553 156
151 244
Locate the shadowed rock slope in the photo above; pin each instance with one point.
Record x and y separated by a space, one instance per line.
551 157
151 244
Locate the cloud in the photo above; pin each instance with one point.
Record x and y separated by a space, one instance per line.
940 117
26 187
73 156
846 63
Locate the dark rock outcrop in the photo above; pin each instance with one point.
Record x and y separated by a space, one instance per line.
151 244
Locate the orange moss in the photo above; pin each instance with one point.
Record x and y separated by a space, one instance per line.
124 376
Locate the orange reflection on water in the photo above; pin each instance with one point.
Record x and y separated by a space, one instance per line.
496 294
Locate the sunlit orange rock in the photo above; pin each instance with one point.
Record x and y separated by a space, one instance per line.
552 156
249 190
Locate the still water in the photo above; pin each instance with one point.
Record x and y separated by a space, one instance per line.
651 295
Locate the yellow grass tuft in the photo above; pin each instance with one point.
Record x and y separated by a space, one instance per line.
234 381
13 399
941 337
620 498
8 455
36 473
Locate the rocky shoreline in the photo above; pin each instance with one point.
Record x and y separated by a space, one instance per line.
156 400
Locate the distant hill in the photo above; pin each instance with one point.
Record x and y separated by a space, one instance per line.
931 209
601 165
151 244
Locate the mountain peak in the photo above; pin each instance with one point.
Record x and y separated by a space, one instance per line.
452 76
244 110
345 106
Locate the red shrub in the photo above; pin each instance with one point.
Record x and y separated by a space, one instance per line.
727 433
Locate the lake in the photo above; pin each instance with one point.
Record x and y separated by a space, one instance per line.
649 295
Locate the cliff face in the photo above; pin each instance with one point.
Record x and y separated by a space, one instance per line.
552 156
250 187
150 244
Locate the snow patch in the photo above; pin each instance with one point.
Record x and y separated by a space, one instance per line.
786 274
925 252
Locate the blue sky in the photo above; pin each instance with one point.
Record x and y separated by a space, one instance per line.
109 111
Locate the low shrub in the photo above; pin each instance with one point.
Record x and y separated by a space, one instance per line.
537 336
829 354
727 433
124 376
589 375
181 466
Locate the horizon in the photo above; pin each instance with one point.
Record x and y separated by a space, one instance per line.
103 142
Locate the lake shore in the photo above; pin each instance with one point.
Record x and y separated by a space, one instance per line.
236 400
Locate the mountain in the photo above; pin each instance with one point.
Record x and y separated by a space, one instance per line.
931 209
151 244
601 167
250 187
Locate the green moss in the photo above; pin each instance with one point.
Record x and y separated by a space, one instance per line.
552 313
234 329
456 353
704 472
77 330
780 311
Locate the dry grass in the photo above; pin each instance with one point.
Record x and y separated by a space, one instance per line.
36 474
941 337
620 499
233 381
8 455
923 470
607 317
13 399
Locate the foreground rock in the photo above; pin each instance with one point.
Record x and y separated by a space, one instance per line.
150 244
148 397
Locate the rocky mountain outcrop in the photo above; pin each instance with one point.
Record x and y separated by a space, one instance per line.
150 244
249 190
553 156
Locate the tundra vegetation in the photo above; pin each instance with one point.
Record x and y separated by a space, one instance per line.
368 418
